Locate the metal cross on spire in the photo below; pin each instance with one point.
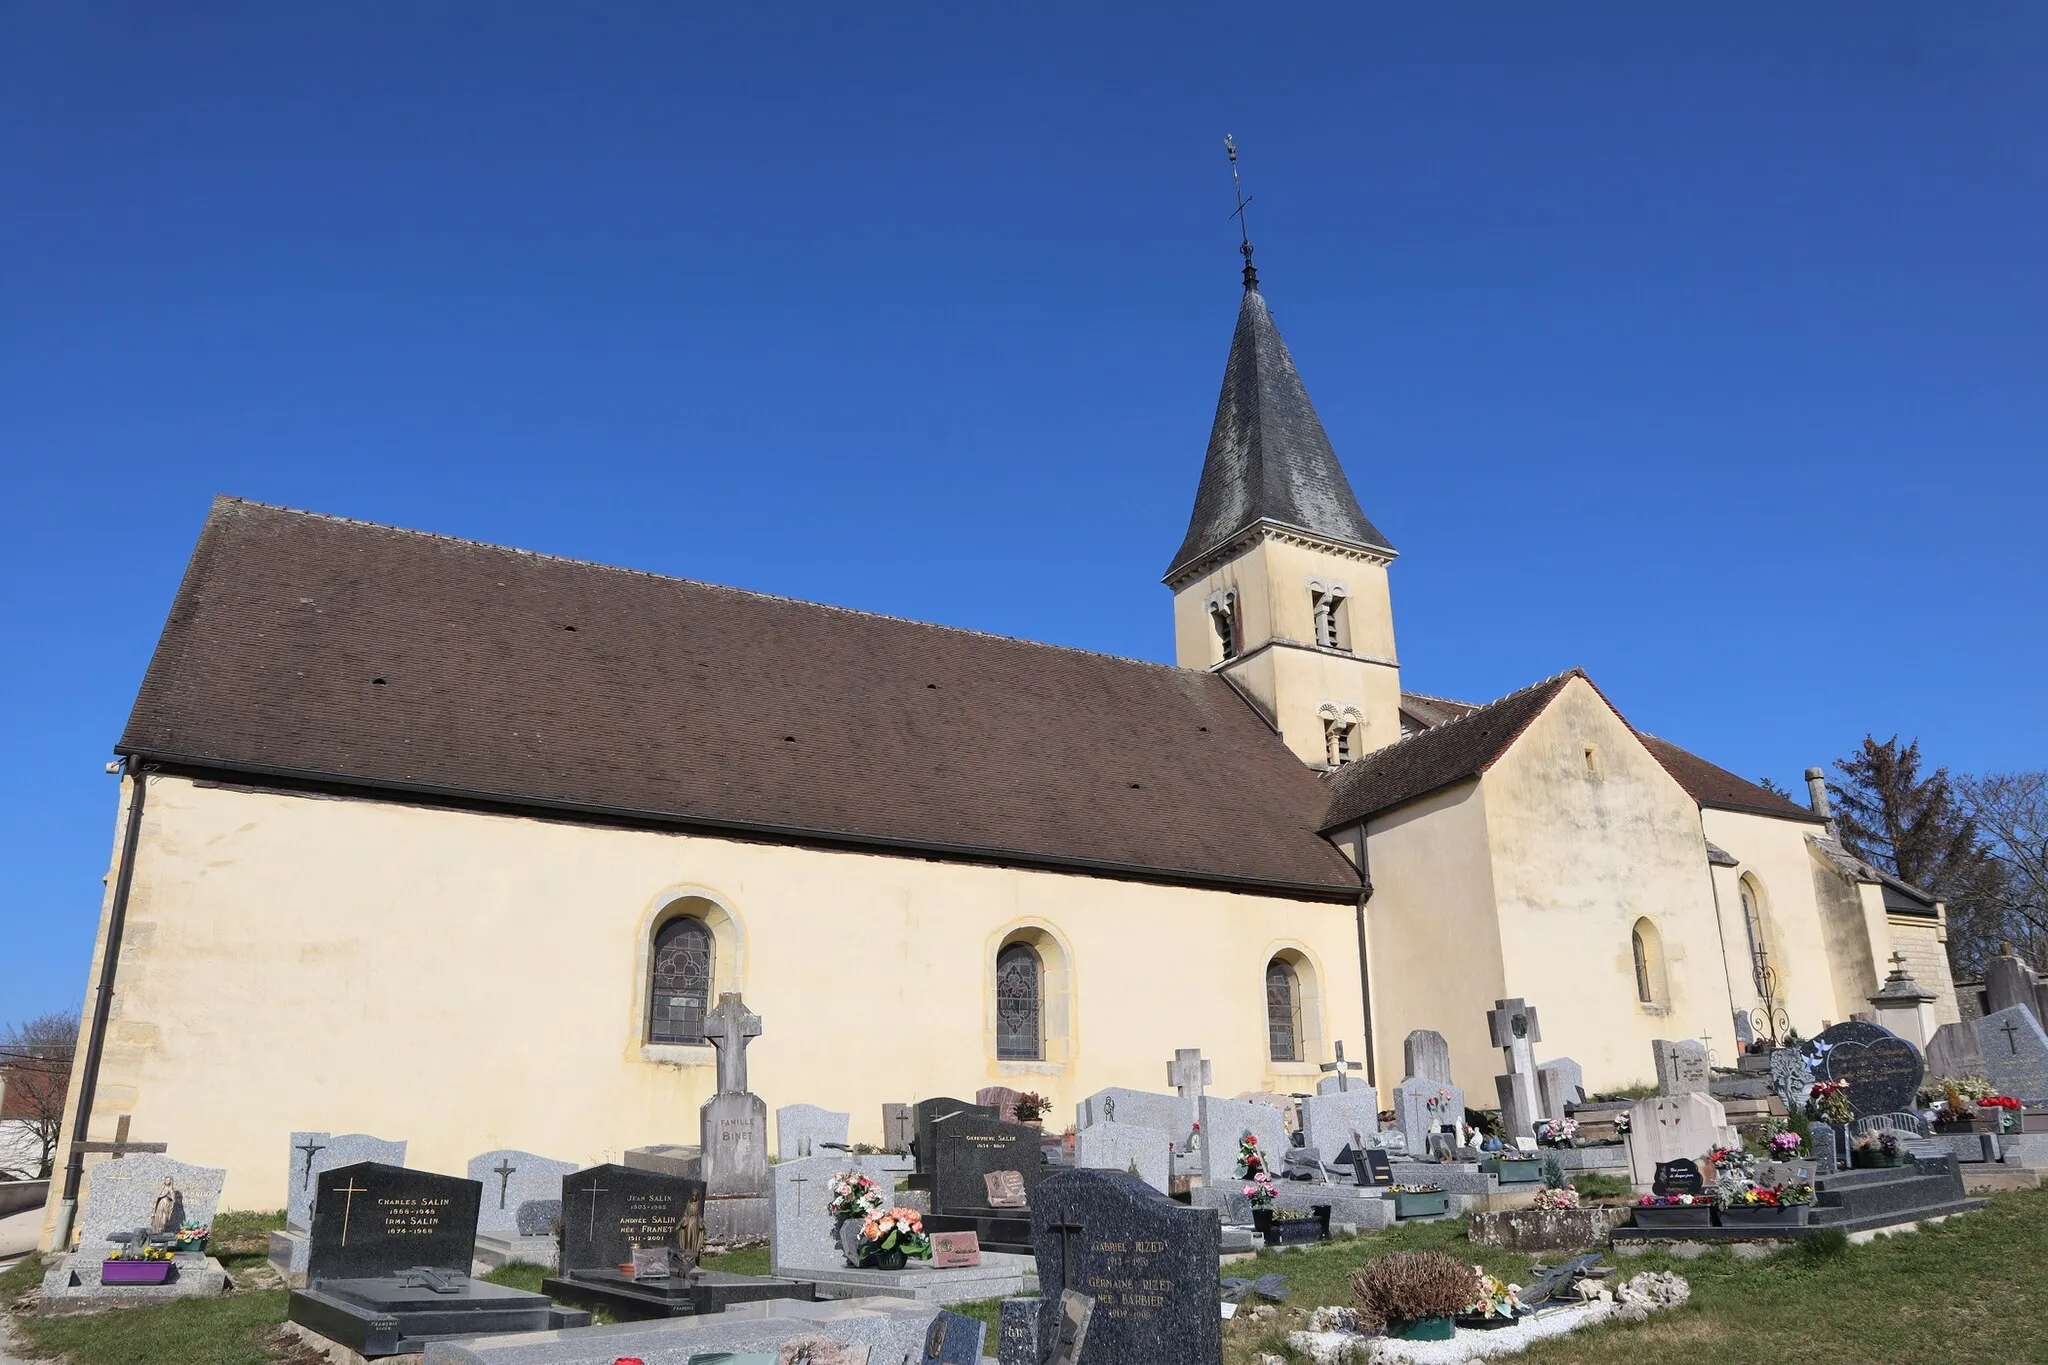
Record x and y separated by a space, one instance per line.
1251 273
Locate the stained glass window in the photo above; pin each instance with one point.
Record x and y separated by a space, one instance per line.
1283 1013
682 982
1017 1003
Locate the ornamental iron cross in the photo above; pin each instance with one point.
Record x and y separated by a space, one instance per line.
1340 1066
727 1028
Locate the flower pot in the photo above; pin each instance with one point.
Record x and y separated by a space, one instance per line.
1420 1206
1764 1215
196 1246
135 1272
1487 1323
1675 1217
1262 1219
1981 1123
1514 1170
884 1260
847 1233
1440 1328
1873 1160
1283 1232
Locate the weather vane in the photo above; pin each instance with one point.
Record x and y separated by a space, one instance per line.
1251 274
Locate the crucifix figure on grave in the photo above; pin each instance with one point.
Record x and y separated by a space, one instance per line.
728 1028
2011 1032
347 1205
1341 1067
504 1171
1188 1073
309 1147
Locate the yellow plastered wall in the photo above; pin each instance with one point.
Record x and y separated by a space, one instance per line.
1778 859
1577 859
1433 935
469 981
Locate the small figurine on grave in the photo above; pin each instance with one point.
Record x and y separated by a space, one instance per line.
167 1213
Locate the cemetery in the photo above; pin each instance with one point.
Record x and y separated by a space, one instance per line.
1171 1226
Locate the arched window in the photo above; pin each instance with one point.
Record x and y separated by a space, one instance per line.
1648 948
681 987
1283 1012
1020 1035
1753 922
1328 605
1337 740
1223 616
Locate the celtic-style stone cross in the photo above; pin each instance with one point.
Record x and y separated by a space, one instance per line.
728 1028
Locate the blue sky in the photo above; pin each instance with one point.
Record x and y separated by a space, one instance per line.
1702 346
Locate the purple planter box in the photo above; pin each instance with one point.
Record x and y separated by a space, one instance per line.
135 1272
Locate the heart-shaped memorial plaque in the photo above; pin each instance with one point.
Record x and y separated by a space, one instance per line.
1883 1070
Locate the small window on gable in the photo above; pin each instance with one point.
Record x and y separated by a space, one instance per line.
1223 616
1329 614
1592 755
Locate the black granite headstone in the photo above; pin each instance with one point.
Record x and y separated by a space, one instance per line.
953 1340
609 1211
1883 1070
372 1220
1374 1166
1678 1177
969 1149
1149 1263
927 1113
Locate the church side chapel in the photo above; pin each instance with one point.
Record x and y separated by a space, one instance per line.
466 843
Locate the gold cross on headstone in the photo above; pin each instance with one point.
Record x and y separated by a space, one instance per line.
347 1205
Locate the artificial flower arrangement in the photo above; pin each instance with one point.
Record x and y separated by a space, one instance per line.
1563 1197
2009 1110
1875 1149
1261 1191
1771 1196
141 1251
1785 1145
1671 1201
1621 1124
1411 1189
1557 1132
1829 1100
193 1235
853 1195
895 1230
1497 1298
1031 1107
1251 1162
1725 1156
1937 1088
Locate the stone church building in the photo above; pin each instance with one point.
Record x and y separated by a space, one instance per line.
454 843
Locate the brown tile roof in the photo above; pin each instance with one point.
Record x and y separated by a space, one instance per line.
1436 758
1424 712
311 647
1717 787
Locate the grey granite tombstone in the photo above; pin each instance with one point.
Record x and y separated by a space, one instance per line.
373 1220
513 1180
899 1127
1120 1146
1882 1070
121 1196
1140 1108
804 1236
1426 1100
803 1130
1826 1144
1149 1263
734 1132
1954 1051
1330 1123
2009 983
1224 1123
1682 1067
315 1153
1559 1083
2016 1053
1512 1026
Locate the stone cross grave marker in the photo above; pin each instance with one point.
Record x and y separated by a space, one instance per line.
1342 1067
2016 1053
522 1192
1512 1024
1189 1074
729 1027
315 1153
1682 1067
372 1221
1150 1265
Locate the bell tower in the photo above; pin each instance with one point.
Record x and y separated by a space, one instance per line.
1281 583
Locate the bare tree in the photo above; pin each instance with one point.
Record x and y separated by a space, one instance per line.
2010 811
35 1071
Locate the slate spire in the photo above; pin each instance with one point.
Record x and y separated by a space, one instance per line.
1269 459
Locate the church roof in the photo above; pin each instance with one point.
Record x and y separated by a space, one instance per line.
1436 758
342 654
1719 789
1269 458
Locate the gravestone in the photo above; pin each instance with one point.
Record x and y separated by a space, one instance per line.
1189 1074
1682 1066
1791 1077
521 1191
1000 1098
2016 1054
1120 1146
928 1114
1224 1122
899 1128
1341 1071
1373 1166
1514 1030
1560 1083
1680 1175
1955 1051
372 1220
2009 983
1149 1264
313 1154
1331 1122
1426 1102
734 1128
609 1210
802 1130
1883 1070
1672 1126
1140 1109
1826 1145
804 1237
121 1196
971 1148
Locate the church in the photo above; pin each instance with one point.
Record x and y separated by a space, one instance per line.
456 843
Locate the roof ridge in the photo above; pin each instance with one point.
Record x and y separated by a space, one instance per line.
693 582
1452 701
1478 709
